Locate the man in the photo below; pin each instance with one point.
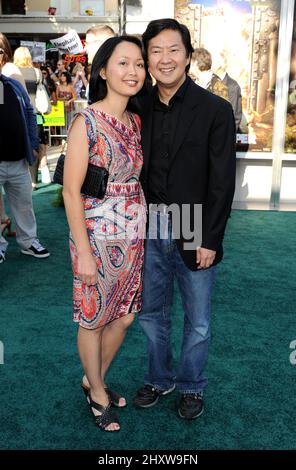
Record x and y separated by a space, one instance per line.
234 90
201 68
94 38
188 141
19 144
61 68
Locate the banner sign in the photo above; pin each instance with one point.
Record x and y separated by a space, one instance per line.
37 50
75 58
56 117
70 43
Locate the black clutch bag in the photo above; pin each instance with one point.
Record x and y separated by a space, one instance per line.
95 182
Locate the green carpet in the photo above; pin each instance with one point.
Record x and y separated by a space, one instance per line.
250 399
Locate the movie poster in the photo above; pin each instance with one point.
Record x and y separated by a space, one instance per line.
37 50
241 37
290 144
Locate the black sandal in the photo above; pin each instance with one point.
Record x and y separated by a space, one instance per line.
107 417
113 396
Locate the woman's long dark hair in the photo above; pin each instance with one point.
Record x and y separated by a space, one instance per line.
98 86
4 44
68 77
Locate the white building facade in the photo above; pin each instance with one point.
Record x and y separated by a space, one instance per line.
259 37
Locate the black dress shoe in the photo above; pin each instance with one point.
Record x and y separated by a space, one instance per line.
191 406
148 396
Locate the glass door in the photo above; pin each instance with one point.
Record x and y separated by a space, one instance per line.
247 41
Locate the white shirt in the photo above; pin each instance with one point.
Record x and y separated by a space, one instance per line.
12 71
204 78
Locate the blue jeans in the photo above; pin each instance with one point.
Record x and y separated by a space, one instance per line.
162 264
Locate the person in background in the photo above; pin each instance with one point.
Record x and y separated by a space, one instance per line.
79 80
49 84
200 69
94 38
107 259
66 93
19 144
32 75
23 60
88 71
9 69
234 90
61 67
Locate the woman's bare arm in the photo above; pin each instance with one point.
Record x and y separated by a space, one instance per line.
76 163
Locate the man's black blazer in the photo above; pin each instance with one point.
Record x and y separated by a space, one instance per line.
202 164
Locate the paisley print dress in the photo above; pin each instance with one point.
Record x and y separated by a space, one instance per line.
115 224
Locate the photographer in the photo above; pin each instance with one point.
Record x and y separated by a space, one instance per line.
79 80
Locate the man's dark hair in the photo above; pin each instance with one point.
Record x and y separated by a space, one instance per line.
157 26
98 86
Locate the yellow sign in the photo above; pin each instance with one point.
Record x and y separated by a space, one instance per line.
57 115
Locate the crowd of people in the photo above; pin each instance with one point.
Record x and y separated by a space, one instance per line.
168 146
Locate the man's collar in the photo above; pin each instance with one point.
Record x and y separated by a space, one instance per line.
179 93
182 89
222 75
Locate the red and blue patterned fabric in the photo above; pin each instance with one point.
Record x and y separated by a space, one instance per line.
115 224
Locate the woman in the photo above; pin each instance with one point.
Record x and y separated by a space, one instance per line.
107 264
79 80
49 84
22 58
66 93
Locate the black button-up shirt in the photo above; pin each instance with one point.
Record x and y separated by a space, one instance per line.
165 121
